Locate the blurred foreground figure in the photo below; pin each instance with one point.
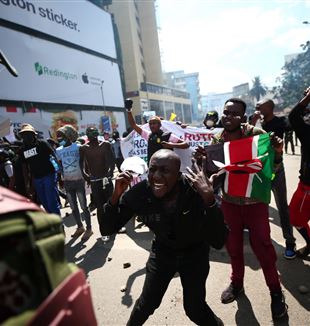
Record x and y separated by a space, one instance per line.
300 204
182 213
37 284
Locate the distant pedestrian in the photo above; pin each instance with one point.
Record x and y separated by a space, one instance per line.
116 145
288 138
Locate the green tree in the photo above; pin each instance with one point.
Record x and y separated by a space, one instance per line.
257 89
294 79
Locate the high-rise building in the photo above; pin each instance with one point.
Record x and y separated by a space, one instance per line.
214 102
187 83
137 29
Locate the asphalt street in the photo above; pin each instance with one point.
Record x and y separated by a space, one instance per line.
104 267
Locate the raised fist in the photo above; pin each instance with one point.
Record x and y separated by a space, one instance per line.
128 104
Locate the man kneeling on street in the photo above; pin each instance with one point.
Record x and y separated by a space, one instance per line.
181 211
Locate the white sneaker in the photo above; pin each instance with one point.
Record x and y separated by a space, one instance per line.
105 238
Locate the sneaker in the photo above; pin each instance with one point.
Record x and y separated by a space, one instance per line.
231 293
290 252
88 233
105 238
303 252
278 305
122 230
78 232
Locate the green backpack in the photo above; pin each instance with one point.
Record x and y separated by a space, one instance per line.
32 259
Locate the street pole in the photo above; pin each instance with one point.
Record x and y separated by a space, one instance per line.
101 87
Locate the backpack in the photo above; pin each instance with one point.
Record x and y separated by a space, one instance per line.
35 277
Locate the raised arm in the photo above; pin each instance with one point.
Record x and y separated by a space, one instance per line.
131 120
295 116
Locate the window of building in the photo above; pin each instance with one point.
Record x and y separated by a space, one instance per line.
158 107
187 113
178 111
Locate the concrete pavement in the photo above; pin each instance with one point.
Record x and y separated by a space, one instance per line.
103 264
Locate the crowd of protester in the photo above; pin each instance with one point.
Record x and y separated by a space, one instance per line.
44 170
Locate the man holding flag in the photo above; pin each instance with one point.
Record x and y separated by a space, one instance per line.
249 161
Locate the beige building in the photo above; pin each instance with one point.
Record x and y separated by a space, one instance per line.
137 28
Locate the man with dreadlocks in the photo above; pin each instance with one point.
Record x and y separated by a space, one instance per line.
69 156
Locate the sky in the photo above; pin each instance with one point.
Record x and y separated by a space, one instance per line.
230 42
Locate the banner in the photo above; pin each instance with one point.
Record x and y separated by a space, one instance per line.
135 145
47 123
79 22
53 73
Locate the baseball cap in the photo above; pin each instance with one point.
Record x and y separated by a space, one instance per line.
27 127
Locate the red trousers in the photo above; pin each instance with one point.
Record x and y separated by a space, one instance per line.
254 218
300 207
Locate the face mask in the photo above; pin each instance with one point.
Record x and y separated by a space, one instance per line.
210 123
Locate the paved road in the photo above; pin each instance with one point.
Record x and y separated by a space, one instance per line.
103 264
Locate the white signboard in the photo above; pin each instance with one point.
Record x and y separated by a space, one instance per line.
79 22
53 73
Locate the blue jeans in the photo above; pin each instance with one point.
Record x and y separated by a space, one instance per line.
75 189
47 192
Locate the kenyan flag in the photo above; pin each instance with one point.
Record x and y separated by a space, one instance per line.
249 167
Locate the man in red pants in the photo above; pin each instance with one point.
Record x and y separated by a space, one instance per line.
247 213
300 204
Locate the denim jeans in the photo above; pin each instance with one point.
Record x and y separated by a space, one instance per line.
101 195
47 192
193 267
279 191
75 189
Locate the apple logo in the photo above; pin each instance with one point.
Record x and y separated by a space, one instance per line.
85 78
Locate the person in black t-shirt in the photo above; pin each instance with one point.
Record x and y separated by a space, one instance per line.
156 138
39 157
277 125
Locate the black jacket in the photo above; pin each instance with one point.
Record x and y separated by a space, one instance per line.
303 133
191 225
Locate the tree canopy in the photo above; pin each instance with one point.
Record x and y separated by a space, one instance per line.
294 79
257 89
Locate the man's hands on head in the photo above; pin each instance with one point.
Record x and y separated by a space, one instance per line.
200 182
122 182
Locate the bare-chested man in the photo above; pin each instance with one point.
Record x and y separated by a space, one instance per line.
97 163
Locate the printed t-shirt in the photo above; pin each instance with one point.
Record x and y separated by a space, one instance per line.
70 158
37 156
